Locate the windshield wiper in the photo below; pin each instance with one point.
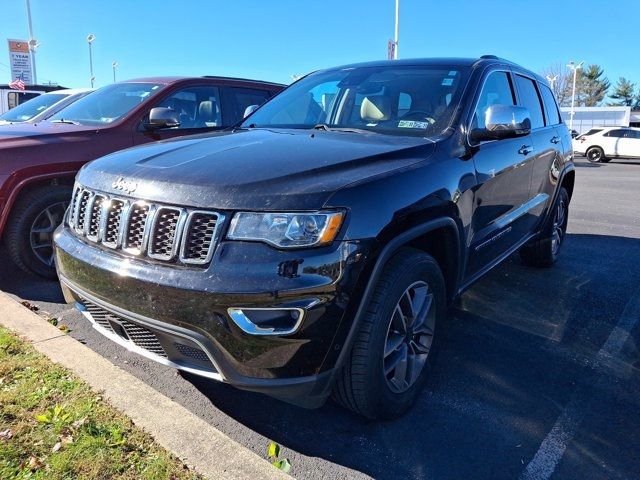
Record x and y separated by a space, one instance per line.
64 120
327 128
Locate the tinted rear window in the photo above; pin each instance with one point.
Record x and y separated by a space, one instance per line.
615 133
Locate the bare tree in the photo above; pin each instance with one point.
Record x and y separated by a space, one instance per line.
561 85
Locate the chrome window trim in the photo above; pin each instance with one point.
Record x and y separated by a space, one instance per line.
485 76
214 238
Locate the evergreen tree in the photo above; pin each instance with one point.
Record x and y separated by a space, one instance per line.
623 93
591 86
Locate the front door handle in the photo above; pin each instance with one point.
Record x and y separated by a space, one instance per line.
525 150
555 140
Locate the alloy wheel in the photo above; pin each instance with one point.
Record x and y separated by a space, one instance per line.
409 337
42 228
559 221
595 155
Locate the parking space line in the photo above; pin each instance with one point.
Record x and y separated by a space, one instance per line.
552 448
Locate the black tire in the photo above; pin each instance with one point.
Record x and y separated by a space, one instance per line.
362 385
27 250
544 251
595 155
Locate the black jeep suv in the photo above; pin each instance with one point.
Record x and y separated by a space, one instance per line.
313 249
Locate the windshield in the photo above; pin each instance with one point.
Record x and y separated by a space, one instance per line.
107 104
31 108
396 100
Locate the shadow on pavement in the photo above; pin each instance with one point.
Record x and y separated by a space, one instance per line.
27 286
518 345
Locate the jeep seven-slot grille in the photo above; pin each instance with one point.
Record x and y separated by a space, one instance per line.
160 232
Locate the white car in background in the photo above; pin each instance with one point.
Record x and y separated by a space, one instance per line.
601 145
43 106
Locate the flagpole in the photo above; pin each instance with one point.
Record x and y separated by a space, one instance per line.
33 43
395 40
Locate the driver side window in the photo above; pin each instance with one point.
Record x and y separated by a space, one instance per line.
497 90
197 107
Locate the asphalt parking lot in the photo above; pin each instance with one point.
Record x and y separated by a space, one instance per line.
539 376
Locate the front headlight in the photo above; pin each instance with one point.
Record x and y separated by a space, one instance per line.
286 230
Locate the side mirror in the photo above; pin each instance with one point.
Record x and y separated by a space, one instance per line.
162 117
503 121
249 110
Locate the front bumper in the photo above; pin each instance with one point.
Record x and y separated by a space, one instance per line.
179 316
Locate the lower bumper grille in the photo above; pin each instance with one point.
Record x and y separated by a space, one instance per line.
139 335
165 347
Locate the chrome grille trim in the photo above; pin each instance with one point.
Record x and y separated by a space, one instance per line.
164 245
92 224
81 210
111 220
137 217
145 229
186 254
73 215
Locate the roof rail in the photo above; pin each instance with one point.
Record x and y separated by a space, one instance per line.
243 79
491 57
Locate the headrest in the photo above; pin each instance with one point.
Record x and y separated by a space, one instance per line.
375 108
205 109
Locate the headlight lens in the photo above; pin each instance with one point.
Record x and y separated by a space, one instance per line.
286 230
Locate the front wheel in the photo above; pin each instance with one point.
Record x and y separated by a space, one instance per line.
544 251
29 233
397 341
595 155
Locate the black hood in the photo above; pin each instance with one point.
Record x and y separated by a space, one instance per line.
255 169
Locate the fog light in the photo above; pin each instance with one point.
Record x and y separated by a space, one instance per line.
267 321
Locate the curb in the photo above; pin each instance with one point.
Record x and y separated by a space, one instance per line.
204 448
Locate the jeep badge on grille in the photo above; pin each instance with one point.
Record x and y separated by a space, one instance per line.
126 186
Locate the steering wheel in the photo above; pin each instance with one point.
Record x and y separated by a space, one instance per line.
420 114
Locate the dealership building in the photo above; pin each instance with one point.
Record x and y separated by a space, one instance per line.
587 118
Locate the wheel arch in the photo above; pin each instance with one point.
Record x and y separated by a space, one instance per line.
425 234
568 182
26 185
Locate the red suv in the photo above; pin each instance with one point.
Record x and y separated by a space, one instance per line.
38 162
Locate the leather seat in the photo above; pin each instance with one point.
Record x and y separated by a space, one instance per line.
207 114
375 108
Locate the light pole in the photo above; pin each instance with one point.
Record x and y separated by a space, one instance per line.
395 38
575 69
114 64
33 44
90 38
552 80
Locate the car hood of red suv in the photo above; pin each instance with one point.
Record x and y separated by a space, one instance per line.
21 133
262 169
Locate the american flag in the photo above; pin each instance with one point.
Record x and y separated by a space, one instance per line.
17 84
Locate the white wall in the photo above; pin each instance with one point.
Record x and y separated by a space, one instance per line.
589 117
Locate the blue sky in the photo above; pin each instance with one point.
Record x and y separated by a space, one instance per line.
273 39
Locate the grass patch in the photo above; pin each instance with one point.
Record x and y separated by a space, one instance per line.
53 426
